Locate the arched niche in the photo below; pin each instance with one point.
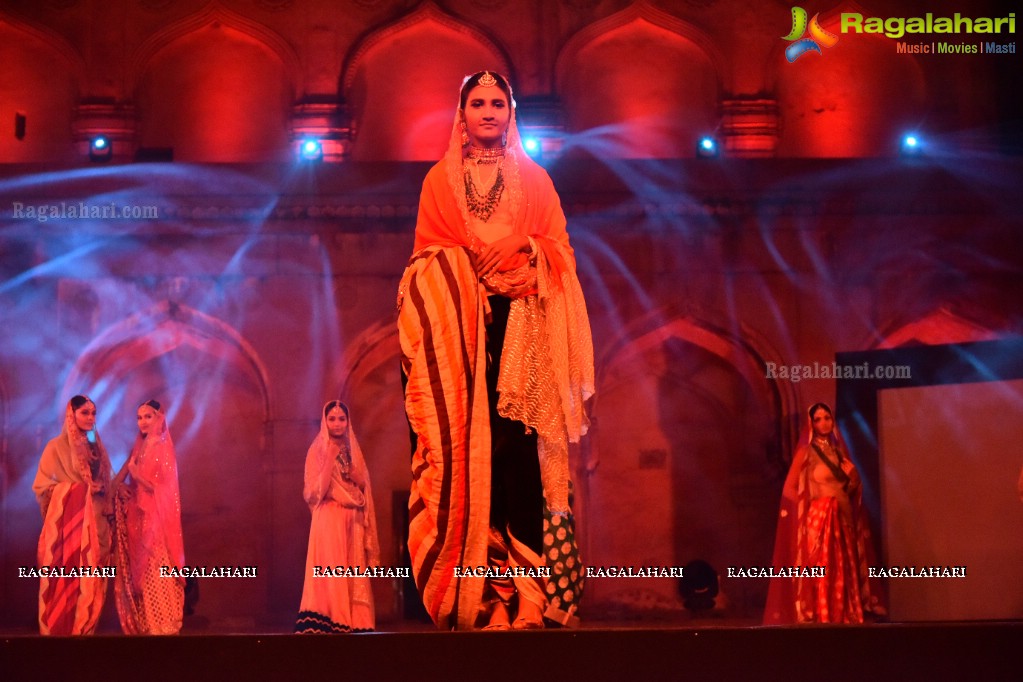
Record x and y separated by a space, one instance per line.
939 327
639 84
401 84
215 88
214 389
369 380
855 99
686 428
39 79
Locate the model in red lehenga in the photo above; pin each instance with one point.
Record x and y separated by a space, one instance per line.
822 523
71 486
148 522
343 534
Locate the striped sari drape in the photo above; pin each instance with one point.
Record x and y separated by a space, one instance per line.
441 330
70 606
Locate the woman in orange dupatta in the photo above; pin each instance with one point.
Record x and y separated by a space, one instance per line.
497 362
71 486
343 533
822 524
147 506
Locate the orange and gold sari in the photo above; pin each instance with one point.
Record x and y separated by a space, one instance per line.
546 374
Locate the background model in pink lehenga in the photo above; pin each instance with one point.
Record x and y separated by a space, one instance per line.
148 521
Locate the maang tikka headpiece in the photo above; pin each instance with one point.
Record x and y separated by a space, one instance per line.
487 80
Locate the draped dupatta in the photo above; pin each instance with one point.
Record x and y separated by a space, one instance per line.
546 373
71 487
149 535
153 466
800 524
319 473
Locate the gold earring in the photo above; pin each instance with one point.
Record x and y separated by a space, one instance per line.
465 133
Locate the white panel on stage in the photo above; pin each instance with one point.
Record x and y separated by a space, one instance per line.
950 460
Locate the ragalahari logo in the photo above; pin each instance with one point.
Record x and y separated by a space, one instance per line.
800 27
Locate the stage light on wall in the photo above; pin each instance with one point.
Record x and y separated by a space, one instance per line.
707 147
912 145
100 148
532 146
311 150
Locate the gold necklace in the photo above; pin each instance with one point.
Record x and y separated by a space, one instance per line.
344 460
482 205
486 155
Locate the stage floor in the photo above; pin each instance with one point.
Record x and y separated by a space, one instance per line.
945 651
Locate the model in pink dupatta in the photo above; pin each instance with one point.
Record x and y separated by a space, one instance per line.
343 534
71 486
822 523
148 512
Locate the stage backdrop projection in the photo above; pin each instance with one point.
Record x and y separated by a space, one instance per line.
950 462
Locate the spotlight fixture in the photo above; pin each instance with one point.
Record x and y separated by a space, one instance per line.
911 145
311 149
100 149
533 147
698 585
707 147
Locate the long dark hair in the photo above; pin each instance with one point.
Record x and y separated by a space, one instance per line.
347 438
834 437
819 406
336 403
79 400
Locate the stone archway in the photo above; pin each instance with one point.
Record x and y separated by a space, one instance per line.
41 74
405 77
217 87
640 84
855 100
940 326
687 430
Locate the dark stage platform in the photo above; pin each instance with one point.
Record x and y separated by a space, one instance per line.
977 651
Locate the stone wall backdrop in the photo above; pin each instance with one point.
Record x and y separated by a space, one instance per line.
243 287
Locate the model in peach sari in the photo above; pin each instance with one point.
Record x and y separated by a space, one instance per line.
343 532
72 486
